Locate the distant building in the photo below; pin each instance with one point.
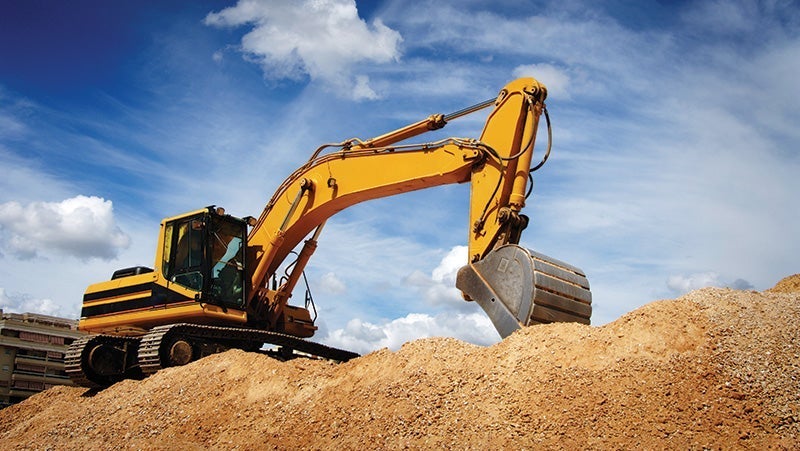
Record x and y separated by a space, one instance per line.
32 349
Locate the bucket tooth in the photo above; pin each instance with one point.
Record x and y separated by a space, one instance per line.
518 287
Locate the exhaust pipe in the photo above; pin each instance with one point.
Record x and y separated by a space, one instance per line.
518 287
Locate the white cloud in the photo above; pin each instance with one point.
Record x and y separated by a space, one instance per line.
681 284
10 110
83 227
439 288
10 126
25 304
723 16
589 40
331 284
363 337
449 266
321 39
16 180
685 283
362 90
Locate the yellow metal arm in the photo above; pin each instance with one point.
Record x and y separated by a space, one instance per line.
499 187
339 180
497 165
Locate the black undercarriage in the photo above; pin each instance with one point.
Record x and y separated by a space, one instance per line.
98 361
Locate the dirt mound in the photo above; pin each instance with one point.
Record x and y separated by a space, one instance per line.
790 284
716 368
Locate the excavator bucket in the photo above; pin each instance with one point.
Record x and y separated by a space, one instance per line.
518 287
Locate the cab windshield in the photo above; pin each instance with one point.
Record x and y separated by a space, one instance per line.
183 253
226 248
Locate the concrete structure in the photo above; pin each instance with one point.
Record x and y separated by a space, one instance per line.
32 349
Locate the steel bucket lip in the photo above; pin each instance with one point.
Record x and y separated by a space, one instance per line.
518 287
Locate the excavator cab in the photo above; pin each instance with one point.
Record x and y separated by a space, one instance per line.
199 276
204 252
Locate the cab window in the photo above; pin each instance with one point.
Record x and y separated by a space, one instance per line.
227 262
183 252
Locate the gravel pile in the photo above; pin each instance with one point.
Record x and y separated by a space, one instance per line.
717 368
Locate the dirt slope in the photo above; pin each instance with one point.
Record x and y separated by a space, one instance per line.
715 369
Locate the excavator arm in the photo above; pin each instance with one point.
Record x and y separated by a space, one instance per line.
497 166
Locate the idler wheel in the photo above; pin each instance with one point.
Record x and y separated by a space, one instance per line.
180 353
105 360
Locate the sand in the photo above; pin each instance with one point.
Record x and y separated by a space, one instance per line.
715 369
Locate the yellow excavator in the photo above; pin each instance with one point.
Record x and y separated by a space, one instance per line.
215 282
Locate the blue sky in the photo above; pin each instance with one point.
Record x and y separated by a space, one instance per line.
675 161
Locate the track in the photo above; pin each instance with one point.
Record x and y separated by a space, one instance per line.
72 362
101 360
97 361
155 346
